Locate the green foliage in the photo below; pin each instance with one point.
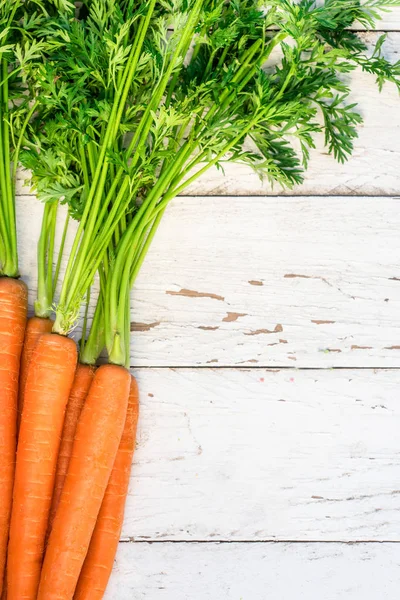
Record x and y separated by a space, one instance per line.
87 58
135 99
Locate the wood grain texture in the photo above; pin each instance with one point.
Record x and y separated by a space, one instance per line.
304 282
254 454
256 572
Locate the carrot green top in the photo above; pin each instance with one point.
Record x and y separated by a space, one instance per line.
20 51
150 95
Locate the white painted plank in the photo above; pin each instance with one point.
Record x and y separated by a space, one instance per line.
256 572
390 21
272 281
373 169
266 455
310 282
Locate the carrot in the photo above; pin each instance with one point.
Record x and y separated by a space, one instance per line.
4 594
99 560
49 382
13 310
95 447
80 389
35 327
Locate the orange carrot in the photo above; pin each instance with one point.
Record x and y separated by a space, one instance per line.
83 379
13 309
95 447
35 327
4 594
50 378
99 560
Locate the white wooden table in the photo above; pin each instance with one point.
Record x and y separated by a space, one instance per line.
266 340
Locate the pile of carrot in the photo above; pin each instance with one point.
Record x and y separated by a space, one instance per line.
75 447
68 426
115 107
67 437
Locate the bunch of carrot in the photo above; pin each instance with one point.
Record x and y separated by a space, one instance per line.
115 107
75 448
67 430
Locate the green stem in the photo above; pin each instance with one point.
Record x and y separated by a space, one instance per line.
43 303
97 230
95 254
127 331
89 218
143 29
85 322
132 250
168 196
86 230
50 251
139 139
21 138
4 201
2 254
92 157
17 4
85 169
129 249
60 254
222 57
7 169
142 255
9 75
119 278
95 341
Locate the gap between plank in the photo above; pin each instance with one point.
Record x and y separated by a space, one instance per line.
266 541
291 195
260 367
264 195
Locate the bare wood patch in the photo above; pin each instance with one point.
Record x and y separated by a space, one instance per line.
144 326
233 316
194 294
297 276
250 360
355 347
278 329
256 282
